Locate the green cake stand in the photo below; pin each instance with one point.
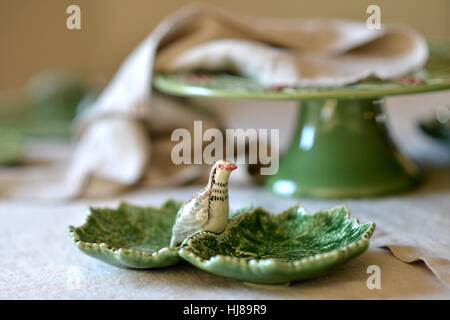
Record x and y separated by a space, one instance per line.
342 147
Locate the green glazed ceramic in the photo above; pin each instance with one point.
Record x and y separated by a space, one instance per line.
11 147
438 126
47 106
259 247
129 236
342 147
434 76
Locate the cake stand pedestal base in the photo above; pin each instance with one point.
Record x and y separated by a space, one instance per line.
342 149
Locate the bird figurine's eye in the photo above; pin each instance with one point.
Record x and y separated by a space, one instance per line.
220 166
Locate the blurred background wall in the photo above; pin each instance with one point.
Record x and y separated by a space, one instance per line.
34 36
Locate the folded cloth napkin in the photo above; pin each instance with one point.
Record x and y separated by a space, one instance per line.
114 133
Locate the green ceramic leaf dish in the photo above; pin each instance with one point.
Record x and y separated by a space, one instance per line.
129 236
260 247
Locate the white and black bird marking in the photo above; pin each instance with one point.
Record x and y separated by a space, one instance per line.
208 209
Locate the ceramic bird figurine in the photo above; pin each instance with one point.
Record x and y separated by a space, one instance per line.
207 210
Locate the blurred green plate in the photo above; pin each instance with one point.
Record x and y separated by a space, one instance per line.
434 76
46 107
11 147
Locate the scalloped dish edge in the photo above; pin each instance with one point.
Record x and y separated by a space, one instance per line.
186 253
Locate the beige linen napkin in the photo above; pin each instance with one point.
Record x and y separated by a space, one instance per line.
114 133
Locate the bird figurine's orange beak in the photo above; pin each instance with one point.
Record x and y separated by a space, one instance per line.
230 166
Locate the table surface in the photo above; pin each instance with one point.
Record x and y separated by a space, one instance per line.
39 261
